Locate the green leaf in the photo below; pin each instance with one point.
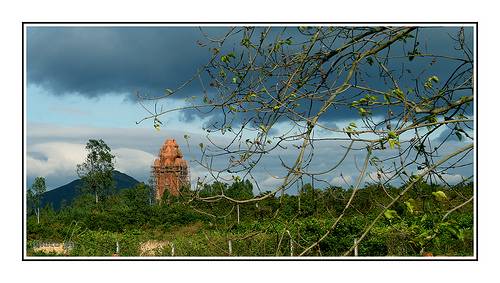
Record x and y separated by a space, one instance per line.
235 80
387 98
222 74
158 121
390 214
440 195
432 119
363 112
409 206
430 80
246 42
227 58
263 128
399 93
393 139
434 79
391 143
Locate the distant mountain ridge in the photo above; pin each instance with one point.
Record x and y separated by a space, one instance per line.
69 192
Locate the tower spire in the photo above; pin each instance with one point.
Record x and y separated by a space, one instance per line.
170 170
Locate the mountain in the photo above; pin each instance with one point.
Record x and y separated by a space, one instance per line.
70 191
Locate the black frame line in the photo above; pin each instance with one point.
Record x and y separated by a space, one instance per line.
354 259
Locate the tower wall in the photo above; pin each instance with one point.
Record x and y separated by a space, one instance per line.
170 170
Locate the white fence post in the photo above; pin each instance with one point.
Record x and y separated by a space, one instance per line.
230 244
238 209
355 247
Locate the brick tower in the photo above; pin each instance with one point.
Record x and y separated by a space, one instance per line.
170 171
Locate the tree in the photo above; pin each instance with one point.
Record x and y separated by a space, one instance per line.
152 189
35 195
137 197
395 93
240 189
97 170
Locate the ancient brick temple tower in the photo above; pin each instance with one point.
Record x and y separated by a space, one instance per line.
170 171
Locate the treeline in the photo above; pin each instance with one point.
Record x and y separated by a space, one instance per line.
428 219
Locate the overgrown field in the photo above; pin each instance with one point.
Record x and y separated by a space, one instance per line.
425 221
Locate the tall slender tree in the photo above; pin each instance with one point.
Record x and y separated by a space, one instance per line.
97 170
36 194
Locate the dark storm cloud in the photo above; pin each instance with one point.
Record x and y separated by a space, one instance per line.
93 61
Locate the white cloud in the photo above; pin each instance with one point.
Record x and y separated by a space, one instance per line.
452 179
54 158
133 161
54 151
339 181
271 182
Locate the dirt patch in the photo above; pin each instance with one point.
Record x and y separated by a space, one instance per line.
152 248
57 248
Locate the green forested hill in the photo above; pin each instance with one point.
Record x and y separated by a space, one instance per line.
67 193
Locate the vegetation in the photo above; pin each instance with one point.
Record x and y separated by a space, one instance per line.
420 223
405 106
35 195
97 170
388 92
